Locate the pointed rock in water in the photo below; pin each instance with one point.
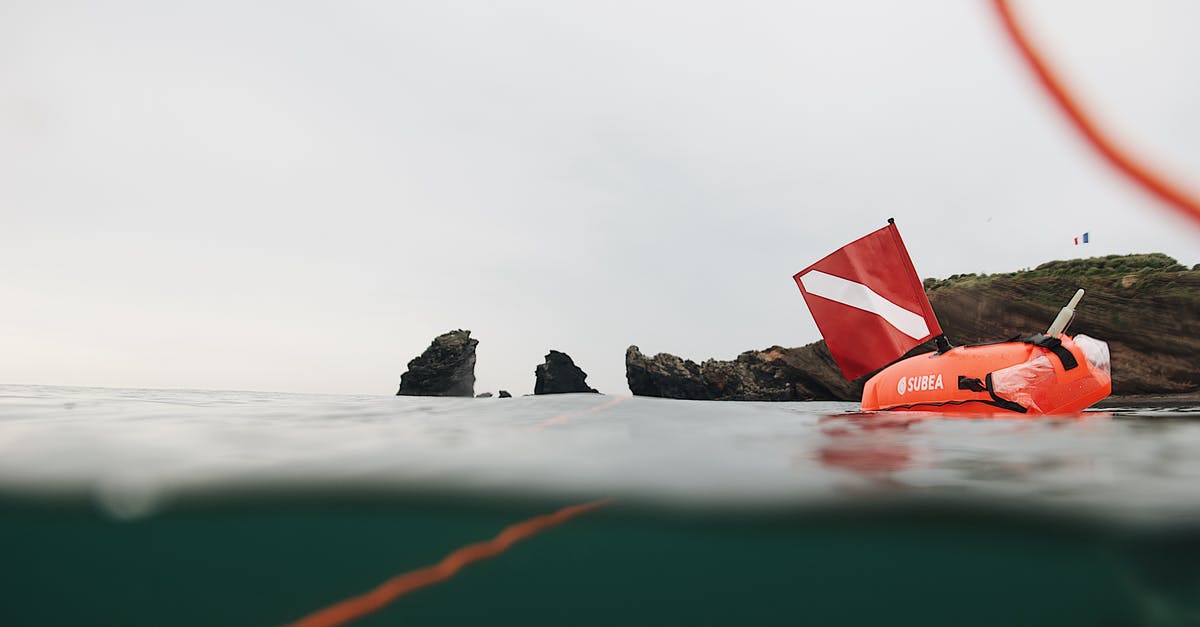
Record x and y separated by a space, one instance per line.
446 368
559 375
504 394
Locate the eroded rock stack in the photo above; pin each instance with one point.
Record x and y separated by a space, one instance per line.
446 368
559 375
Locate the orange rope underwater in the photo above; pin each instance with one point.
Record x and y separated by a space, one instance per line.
564 418
1173 195
390 590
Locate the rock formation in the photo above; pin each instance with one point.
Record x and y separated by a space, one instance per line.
1147 307
664 375
775 374
446 368
504 394
559 375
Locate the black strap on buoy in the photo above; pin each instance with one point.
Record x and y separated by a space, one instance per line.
1054 345
971 383
1002 403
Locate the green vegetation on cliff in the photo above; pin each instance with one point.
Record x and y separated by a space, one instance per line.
1119 266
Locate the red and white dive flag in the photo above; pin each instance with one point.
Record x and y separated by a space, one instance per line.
868 302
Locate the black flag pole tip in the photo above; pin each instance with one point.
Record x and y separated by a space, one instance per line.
891 220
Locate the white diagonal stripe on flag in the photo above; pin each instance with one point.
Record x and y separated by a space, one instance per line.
862 297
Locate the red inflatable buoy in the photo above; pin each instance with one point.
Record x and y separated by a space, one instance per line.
1033 375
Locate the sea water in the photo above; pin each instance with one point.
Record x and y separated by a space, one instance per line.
156 507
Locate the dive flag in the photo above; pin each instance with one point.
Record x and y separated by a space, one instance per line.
1081 239
868 302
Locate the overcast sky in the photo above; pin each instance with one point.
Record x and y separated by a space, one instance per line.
299 196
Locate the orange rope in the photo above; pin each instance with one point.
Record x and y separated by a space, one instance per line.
563 418
1173 195
359 606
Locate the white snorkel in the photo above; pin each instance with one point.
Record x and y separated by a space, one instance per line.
1064 317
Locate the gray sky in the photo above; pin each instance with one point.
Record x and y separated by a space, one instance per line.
297 196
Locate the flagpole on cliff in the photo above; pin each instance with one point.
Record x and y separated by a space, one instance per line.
941 341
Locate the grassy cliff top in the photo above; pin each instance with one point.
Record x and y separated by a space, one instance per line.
1090 269
1147 307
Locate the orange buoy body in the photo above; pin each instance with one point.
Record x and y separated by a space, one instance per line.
1034 375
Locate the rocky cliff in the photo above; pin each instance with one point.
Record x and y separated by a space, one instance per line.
1147 307
806 373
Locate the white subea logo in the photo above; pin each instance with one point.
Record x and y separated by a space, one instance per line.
860 296
919 383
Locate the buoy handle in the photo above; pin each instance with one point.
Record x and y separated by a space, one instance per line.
1064 317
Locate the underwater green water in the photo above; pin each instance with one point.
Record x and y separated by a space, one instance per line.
267 564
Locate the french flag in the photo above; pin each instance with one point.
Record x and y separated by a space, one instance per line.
1081 239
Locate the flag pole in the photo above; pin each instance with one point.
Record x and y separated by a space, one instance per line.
941 341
